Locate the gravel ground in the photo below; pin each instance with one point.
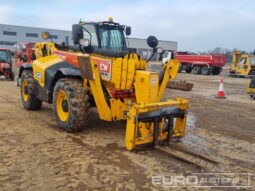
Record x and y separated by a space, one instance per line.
36 155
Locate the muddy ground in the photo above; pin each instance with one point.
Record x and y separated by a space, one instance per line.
36 155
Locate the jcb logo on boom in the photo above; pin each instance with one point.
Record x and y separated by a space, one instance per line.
104 67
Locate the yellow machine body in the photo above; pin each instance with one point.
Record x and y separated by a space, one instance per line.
242 64
251 89
148 93
121 87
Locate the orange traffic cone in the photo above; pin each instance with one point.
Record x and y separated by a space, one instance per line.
221 90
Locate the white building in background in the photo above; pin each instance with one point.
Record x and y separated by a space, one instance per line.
11 34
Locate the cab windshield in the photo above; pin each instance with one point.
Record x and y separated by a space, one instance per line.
110 37
5 56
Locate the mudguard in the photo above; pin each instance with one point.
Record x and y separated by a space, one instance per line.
25 66
70 72
52 77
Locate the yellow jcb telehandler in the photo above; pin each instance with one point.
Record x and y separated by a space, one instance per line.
99 71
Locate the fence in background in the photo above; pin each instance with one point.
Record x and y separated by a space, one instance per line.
232 85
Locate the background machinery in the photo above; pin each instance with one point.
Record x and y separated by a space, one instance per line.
251 89
24 53
198 64
98 71
201 64
6 64
243 65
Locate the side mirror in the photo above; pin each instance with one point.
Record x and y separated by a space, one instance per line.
128 30
77 33
46 35
152 41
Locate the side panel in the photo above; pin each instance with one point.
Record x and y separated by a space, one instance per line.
146 86
68 56
214 60
47 70
40 65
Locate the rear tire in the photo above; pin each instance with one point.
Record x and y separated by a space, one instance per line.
27 90
216 71
188 70
70 104
196 70
205 70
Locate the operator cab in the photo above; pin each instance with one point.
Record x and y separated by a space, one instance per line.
5 56
106 38
105 35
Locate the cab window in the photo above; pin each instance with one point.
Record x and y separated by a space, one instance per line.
241 63
5 56
111 38
90 29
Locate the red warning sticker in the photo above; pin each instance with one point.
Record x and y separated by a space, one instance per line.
105 68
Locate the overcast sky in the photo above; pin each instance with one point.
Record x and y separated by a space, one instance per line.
197 25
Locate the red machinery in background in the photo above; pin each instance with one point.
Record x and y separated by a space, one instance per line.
24 53
6 64
201 64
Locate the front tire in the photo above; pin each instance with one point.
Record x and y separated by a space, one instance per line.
196 70
27 90
70 103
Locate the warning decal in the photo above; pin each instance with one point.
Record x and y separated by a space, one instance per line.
105 68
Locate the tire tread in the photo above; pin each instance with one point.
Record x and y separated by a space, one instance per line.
77 101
